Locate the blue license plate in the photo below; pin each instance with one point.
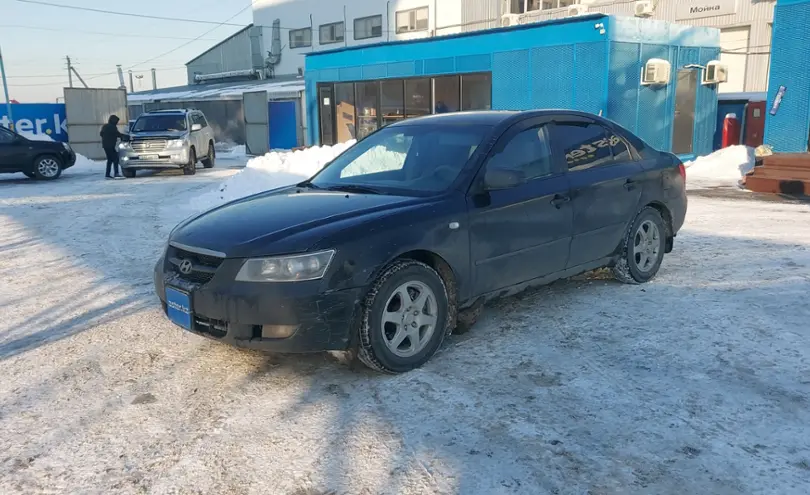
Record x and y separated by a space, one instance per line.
178 304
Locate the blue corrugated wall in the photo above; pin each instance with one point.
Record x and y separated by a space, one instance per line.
788 130
532 66
571 64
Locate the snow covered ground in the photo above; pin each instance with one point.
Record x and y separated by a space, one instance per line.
698 382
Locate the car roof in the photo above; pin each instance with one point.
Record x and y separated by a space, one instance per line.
490 117
170 111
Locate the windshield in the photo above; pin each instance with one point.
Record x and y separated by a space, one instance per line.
418 158
157 123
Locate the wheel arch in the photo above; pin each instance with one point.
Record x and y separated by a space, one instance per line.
666 215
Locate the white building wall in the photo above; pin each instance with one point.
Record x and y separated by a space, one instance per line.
444 17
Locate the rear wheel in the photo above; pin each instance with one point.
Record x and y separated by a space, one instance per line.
191 166
210 158
404 318
129 173
643 249
47 168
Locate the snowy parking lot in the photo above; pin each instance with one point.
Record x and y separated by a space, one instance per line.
698 382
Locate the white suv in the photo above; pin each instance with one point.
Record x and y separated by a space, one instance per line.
168 139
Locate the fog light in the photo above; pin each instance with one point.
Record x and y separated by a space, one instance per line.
176 157
278 331
125 159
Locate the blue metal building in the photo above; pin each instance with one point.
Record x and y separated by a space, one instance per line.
592 63
787 127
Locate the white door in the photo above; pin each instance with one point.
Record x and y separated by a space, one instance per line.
734 49
257 122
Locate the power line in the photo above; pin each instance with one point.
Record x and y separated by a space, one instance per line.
224 23
129 14
46 76
99 33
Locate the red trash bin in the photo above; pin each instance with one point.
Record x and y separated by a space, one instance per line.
731 130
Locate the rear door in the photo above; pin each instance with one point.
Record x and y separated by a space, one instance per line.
521 233
606 185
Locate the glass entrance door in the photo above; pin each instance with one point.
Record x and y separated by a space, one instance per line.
683 128
326 105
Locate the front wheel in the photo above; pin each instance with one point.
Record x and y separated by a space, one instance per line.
210 158
129 173
404 318
47 168
643 249
191 166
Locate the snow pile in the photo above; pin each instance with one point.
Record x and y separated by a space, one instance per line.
723 168
273 170
84 164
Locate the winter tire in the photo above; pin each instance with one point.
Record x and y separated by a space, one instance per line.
643 248
191 166
47 167
210 158
129 173
404 318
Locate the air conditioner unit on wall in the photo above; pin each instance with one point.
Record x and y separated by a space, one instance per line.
575 10
656 71
643 8
716 72
510 20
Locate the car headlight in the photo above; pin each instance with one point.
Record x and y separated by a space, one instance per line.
293 268
176 143
124 146
66 146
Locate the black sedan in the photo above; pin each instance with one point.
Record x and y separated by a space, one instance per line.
399 240
42 160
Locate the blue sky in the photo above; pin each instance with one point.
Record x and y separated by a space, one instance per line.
32 56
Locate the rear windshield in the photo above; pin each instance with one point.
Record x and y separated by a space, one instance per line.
158 123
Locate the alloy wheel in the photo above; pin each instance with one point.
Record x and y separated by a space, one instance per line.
409 319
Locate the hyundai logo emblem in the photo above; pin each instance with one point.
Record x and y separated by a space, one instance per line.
186 267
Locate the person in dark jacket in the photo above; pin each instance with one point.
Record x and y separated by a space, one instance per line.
109 139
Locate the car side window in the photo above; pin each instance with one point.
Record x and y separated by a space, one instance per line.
621 153
6 137
527 152
584 144
203 122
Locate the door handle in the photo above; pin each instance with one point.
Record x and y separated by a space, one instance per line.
560 200
630 185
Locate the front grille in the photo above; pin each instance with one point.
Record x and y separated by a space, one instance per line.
149 145
203 266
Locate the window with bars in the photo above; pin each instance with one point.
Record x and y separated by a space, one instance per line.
368 27
412 20
332 33
300 38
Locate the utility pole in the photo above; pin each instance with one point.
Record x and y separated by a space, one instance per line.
5 90
70 71
131 85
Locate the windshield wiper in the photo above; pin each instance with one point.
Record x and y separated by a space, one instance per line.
353 188
308 184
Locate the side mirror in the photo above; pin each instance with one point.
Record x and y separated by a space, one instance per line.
196 127
495 179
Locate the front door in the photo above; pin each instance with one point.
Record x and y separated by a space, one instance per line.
520 233
326 105
754 123
683 128
606 185
12 152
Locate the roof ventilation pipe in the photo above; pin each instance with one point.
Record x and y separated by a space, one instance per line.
274 55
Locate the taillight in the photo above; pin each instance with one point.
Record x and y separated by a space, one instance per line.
682 171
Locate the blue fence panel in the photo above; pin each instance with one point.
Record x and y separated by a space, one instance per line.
283 125
37 118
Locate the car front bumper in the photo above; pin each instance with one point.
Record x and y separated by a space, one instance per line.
174 158
251 315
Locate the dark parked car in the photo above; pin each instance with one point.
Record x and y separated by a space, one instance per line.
403 236
43 160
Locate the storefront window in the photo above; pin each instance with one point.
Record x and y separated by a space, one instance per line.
392 103
344 109
417 97
476 92
367 100
446 94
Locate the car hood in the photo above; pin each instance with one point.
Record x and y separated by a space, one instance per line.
157 134
281 221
